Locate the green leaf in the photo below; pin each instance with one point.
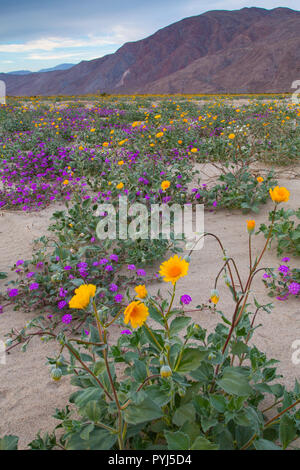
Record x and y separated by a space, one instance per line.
85 434
235 383
190 360
178 324
239 348
218 402
87 395
147 410
263 444
201 443
92 410
160 396
183 414
177 440
99 366
9 443
99 439
139 371
287 430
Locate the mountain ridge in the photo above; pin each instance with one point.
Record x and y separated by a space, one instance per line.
247 50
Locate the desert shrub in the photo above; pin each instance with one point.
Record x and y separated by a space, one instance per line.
167 383
286 231
283 282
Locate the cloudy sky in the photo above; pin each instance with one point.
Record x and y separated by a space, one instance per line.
37 34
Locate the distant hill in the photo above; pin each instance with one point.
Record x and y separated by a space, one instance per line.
57 67
247 50
19 72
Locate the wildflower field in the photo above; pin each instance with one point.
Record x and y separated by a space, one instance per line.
123 343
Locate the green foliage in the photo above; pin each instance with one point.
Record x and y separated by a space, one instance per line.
286 231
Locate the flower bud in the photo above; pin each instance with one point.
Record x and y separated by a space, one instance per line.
165 371
56 373
214 296
250 226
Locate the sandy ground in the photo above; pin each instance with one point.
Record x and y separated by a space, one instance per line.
28 396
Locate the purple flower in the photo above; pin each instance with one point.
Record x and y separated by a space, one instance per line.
113 288
19 262
1 309
82 265
34 286
67 318
284 297
109 267
30 274
39 265
285 260
283 269
62 292
126 332
114 257
185 299
265 276
13 292
131 267
118 298
62 304
141 272
86 332
103 261
294 288
67 268
215 203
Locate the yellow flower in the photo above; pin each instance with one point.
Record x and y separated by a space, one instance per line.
121 162
82 296
157 116
279 194
120 186
250 226
174 269
141 291
165 185
66 182
93 130
260 179
194 150
214 296
159 134
105 144
180 141
136 313
231 136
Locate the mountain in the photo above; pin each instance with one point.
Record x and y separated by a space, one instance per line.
57 67
19 72
247 50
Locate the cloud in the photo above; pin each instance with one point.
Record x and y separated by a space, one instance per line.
50 44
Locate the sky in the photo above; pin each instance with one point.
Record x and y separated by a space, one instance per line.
36 34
